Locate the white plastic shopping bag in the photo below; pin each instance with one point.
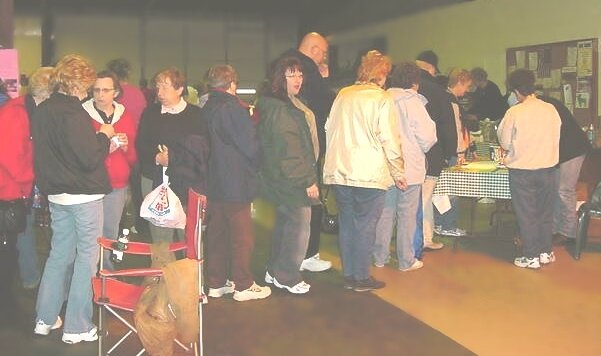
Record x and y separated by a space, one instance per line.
162 207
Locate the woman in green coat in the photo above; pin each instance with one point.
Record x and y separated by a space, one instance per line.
288 137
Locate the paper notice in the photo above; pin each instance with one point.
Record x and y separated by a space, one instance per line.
571 56
533 61
520 59
442 203
584 62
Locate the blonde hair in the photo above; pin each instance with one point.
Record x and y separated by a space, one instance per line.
374 67
73 72
39 82
459 75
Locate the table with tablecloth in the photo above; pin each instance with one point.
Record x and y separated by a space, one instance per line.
481 179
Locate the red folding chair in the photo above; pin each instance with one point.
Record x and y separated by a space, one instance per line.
117 297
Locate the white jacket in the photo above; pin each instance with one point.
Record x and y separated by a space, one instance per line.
418 132
363 140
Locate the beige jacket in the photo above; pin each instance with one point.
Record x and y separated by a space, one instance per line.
363 141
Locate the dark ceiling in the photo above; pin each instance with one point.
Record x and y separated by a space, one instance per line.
322 15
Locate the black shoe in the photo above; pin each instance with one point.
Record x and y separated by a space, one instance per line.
368 284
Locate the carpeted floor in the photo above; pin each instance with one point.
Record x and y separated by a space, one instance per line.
327 321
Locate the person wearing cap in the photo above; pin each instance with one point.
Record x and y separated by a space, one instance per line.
530 133
440 110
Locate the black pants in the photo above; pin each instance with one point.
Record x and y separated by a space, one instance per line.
315 235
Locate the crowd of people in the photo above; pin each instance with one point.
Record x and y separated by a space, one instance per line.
85 138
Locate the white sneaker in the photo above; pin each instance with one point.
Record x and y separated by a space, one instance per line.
299 288
42 328
546 258
525 262
91 335
227 288
416 265
456 232
315 264
268 278
253 292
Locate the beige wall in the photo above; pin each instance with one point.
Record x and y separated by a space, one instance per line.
477 33
192 42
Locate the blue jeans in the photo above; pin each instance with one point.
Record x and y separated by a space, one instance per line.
73 251
289 244
532 194
565 221
28 255
400 207
112 207
358 212
418 237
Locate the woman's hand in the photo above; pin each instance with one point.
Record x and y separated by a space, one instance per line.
162 158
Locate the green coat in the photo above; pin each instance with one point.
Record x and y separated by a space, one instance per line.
288 164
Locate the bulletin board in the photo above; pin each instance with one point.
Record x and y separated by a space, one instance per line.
567 71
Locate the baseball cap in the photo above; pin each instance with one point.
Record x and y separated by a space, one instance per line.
429 57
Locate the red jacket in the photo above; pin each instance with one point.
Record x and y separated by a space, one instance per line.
16 151
118 163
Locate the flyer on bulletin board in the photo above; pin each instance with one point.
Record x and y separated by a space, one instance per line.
9 70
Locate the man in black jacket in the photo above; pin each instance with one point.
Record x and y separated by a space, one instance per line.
440 110
573 146
313 55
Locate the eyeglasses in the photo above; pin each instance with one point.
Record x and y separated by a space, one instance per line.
102 90
296 75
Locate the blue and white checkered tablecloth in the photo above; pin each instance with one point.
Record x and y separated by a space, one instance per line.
470 183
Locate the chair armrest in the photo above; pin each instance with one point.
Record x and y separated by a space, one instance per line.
132 272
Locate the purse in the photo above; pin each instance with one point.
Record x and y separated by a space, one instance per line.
329 222
12 216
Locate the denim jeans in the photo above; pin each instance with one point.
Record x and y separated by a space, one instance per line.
532 194
28 255
565 221
358 212
73 254
400 207
289 244
113 209
418 237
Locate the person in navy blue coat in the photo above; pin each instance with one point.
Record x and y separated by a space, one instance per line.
233 184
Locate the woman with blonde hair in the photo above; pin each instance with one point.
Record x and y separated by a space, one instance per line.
69 166
363 159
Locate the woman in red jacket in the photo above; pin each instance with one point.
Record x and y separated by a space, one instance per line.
17 175
103 109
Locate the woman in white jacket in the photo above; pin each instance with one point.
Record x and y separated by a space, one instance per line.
363 159
418 134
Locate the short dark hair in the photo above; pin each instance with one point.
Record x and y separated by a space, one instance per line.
221 76
405 75
109 74
521 80
120 67
277 76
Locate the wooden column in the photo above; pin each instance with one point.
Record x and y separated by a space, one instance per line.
7 23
